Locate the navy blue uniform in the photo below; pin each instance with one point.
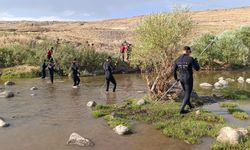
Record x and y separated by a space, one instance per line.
51 68
108 69
184 65
75 73
44 66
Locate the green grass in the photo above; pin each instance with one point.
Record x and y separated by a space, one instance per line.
20 72
228 105
235 94
115 121
98 114
238 113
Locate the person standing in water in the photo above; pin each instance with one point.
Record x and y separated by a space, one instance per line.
51 67
75 73
184 65
43 69
109 69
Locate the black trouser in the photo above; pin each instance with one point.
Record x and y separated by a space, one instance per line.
51 75
76 80
187 86
112 80
43 75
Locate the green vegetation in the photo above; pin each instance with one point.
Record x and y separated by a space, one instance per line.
34 53
165 117
244 145
234 94
157 40
238 113
228 105
23 71
231 47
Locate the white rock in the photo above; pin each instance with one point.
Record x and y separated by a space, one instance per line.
244 132
230 80
217 85
141 102
223 82
206 85
33 94
7 94
3 123
33 88
91 104
241 79
230 135
8 83
248 80
121 130
78 140
198 112
220 78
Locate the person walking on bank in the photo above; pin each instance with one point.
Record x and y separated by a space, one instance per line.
75 73
184 65
51 67
109 69
43 69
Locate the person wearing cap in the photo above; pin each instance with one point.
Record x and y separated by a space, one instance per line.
75 73
184 65
43 69
109 69
51 67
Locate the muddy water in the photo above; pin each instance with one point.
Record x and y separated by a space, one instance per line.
45 121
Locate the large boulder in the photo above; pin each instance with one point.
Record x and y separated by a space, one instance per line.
241 79
231 136
206 85
121 130
91 104
3 123
248 80
7 94
140 102
9 83
78 140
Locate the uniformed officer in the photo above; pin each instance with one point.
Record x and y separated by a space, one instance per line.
184 66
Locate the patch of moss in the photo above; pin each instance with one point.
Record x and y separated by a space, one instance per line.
115 121
238 113
98 114
228 105
235 94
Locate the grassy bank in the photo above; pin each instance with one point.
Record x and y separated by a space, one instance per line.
23 71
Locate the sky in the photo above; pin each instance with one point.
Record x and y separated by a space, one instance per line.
89 10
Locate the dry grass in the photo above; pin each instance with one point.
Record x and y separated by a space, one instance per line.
108 34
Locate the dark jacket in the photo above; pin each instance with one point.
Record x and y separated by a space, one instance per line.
108 69
74 69
184 65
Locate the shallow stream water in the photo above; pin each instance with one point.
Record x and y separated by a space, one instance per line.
46 120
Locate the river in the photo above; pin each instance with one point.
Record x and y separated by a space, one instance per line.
46 120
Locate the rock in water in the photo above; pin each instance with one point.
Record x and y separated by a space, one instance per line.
248 80
33 88
8 83
91 104
78 140
223 82
121 130
140 102
206 85
220 78
75 87
231 136
7 94
217 85
241 79
230 80
3 123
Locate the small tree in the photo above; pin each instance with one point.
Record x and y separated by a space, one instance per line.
157 39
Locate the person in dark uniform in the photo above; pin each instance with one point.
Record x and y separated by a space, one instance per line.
75 73
184 65
43 69
109 69
51 67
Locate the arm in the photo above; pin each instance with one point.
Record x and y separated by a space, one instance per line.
195 64
174 70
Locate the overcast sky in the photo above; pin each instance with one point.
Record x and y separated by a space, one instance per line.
85 10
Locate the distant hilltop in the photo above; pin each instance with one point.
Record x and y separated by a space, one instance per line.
108 34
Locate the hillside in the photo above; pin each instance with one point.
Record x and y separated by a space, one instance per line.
108 34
